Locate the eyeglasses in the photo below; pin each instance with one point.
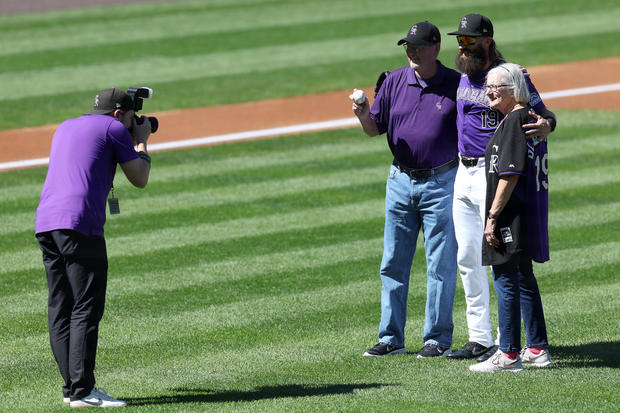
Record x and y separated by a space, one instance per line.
413 48
466 40
494 88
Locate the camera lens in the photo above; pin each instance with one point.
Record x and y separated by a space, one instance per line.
154 123
152 119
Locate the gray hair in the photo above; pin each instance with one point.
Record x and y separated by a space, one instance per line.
512 75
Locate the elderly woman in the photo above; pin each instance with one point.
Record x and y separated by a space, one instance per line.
516 224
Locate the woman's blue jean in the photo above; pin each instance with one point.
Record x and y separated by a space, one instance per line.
518 296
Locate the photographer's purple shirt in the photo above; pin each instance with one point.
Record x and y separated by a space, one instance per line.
419 116
83 160
476 121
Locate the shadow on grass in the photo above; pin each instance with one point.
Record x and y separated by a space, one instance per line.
187 395
600 354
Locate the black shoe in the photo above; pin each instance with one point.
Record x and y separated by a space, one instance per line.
489 353
470 350
383 349
432 350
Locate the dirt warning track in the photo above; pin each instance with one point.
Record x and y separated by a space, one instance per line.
562 87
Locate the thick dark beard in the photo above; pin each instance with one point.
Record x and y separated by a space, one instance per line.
473 64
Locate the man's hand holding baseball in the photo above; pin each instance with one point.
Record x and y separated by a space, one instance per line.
362 111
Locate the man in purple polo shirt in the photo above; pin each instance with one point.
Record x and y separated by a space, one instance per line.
69 229
416 106
476 121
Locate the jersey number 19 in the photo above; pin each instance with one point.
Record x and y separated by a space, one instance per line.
542 166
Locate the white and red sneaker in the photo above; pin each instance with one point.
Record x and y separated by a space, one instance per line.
498 362
542 359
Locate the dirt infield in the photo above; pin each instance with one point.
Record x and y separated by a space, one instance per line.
32 143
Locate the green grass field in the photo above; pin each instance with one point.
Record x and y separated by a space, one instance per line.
198 53
245 276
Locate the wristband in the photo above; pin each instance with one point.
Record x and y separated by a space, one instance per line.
492 215
144 156
552 122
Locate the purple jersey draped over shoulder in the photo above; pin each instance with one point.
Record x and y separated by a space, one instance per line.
537 200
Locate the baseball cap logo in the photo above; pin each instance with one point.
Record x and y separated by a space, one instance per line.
463 22
97 101
414 30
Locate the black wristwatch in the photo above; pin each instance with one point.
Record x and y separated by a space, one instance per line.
144 156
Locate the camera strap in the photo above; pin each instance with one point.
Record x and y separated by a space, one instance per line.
113 203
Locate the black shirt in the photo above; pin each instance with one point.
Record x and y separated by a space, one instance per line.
506 153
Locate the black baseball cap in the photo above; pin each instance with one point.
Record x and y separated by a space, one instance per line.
109 100
422 34
474 25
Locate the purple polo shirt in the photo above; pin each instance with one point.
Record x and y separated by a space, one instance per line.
476 122
419 116
83 160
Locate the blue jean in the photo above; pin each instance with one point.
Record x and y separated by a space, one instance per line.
518 296
411 204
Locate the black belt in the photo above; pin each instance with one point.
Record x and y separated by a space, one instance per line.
469 162
426 173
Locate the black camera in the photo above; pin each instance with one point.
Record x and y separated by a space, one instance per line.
138 94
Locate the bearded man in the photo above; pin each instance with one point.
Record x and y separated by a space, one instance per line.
476 123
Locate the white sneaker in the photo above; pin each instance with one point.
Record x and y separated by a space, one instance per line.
66 400
98 397
498 362
543 359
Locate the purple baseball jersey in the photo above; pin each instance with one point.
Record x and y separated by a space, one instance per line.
537 201
82 165
476 121
419 116
522 224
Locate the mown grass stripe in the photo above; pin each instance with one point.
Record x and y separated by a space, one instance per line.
598 175
572 258
242 193
174 44
588 300
96 13
584 217
224 271
562 148
256 60
562 261
159 69
202 162
137 26
231 315
255 192
182 236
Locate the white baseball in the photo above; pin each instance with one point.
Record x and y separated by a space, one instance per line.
358 96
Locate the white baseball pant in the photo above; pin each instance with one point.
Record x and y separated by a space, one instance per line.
468 211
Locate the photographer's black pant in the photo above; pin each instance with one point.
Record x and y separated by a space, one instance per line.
77 268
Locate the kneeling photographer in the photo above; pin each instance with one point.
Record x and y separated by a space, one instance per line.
69 228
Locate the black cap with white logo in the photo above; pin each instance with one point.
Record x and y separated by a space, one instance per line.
422 34
109 100
475 25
